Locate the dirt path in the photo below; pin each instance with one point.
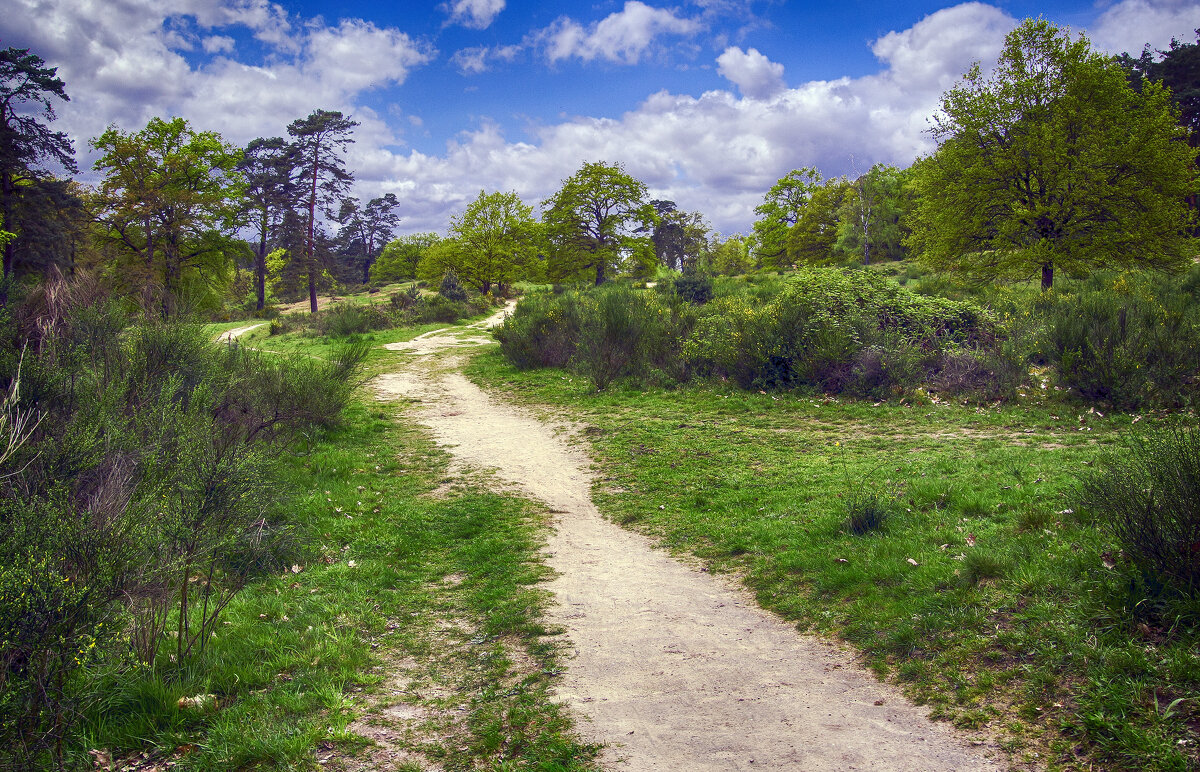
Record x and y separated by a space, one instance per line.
238 332
674 669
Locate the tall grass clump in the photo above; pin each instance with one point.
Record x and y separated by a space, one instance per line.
137 495
1132 342
1149 503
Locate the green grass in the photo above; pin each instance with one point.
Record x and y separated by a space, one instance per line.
437 594
984 593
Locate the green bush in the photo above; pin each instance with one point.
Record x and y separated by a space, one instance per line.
834 330
451 288
1149 502
605 333
542 331
1130 343
694 287
148 464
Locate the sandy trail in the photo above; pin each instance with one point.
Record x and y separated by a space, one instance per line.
674 669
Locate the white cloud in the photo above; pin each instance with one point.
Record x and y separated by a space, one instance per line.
1132 24
472 61
717 153
754 74
621 37
120 67
475 14
218 44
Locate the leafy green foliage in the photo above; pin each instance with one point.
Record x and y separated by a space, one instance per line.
450 288
592 217
781 208
1148 500
1053 161
150 465
400 257
1126 341
169 199
498 239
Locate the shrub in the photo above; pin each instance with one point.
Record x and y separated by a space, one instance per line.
150 464
694 287
1128 344
451 289
835 330
542 331
1149 502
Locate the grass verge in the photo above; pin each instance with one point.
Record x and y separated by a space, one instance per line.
982 591
408 635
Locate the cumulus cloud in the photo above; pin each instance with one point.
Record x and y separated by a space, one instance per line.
755 75
622 37
474 14
717 153
218 44
1132 24
121 68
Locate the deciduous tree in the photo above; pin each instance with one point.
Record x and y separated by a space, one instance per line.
400 257
593 217
497 235
1053 162
170 197
782 208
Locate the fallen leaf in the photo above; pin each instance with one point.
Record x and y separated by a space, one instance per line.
912 562
841 560
970 540
296 569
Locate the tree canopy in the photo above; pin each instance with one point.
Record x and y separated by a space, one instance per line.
497 235
27 143
593 217
319 142
170 198
1053 161
782 208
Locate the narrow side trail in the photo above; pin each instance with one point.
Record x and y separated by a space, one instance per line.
672 668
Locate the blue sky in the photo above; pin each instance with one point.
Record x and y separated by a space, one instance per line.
707 101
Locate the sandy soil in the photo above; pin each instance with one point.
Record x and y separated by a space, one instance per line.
238 332
672 668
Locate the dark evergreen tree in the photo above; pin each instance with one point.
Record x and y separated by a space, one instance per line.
27 144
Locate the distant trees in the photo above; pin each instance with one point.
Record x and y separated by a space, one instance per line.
170 198
319 142
27 92
593 217
872 214
399 259
367 229
498 238
267 167
1053 162
781 209
678 237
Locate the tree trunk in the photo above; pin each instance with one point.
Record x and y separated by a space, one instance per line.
599 271
260 267
6 193
312 225
1047 276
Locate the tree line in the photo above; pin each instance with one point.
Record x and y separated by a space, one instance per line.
1060 160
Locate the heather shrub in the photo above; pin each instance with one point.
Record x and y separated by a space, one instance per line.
543 331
